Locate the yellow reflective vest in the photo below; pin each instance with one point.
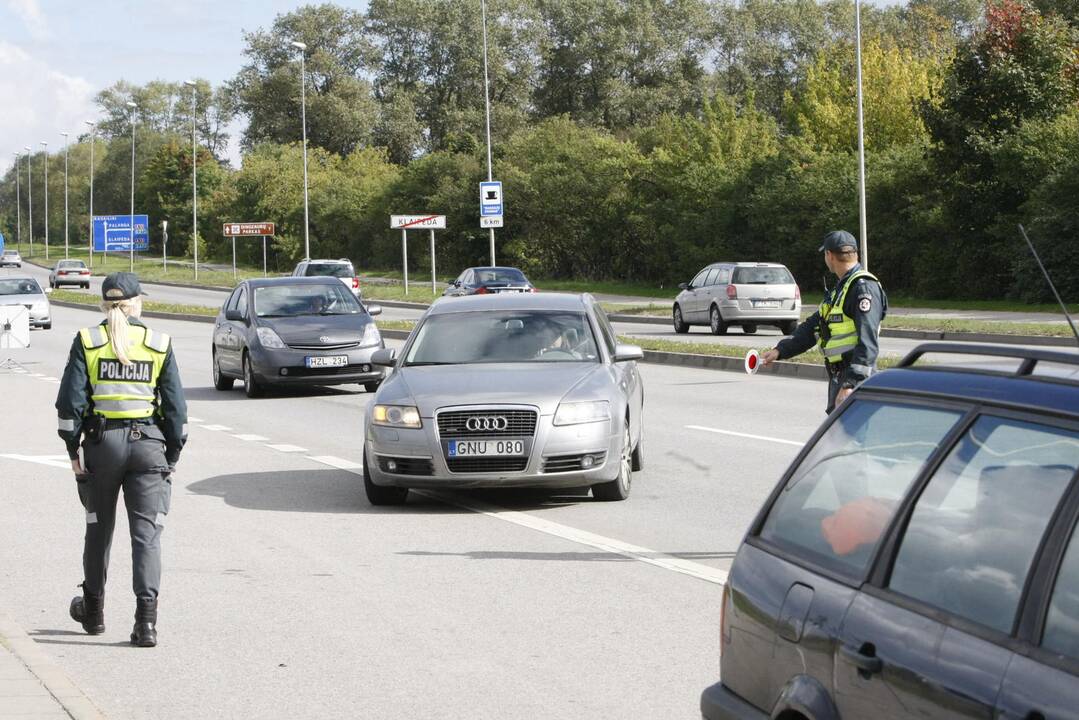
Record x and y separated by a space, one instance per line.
124 392
838 332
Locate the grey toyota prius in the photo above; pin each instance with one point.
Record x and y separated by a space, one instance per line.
295 331
507 391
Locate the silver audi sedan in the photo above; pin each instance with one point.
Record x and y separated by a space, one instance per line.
506 391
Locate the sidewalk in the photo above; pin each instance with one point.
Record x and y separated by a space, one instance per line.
32 687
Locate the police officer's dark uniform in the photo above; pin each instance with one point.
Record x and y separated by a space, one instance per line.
846 326
132 420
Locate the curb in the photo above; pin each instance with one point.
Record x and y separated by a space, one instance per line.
58 684
147 313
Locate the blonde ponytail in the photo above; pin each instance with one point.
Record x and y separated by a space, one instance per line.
116 315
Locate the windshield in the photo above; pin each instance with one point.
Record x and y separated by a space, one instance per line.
338 270
762 276
71 264
500 275
21 286
503 336
296 300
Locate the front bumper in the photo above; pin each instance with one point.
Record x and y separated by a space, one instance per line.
287 367
553 458
719 703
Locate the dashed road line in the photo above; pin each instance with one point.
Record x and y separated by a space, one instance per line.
285 448
215 428
59 461
251 438
339 463
744 435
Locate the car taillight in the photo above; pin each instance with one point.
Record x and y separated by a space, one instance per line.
724 629
797 293
532 290
732 292
481 290
355 283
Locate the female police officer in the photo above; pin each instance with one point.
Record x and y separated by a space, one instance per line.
121 395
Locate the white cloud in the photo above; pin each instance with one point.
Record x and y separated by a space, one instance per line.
39 102
29 11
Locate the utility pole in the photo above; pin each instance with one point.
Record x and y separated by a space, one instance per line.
861 138
303 115
131 221
45 152
18 203
194 182
90 243
30 197
66 252
487 106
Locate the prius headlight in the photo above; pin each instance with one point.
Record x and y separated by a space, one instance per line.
575 413
398 416
371 336
269 338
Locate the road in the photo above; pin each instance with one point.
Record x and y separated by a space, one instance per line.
287 595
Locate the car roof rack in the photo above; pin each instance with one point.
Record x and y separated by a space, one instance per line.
1030 356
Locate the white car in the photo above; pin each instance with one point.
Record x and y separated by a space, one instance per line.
70 272
25 291
341 269
11 257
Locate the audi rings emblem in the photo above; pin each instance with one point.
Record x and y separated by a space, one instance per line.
496 423
323 339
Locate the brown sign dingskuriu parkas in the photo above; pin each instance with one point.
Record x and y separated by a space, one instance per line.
245 229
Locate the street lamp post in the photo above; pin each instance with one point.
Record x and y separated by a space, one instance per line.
66 250
131 220
45 152
90 243
194 182
30 198
861 137
18 202
487 106
303 116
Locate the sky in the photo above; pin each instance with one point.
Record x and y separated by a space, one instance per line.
55 55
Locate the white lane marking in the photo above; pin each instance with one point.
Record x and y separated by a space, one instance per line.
583 537
339 463
50 460
285 448
744 435
194 419
215 428
251 438
46 378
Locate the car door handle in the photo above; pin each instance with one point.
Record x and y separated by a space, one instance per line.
864 658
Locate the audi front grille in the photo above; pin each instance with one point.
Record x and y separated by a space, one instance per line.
487 423
487 464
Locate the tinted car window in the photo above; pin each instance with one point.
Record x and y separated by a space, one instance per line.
296 300
842 496
1062 624
762 276
500 275
230 304
699 280
972 537
25 286
724 276
338 270
503 336
241 301
609 338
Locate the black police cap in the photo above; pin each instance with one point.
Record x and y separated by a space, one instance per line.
121 286
838 241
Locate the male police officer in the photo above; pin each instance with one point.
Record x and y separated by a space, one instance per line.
847 321
121 392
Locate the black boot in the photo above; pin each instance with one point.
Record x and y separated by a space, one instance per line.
144 634
89 610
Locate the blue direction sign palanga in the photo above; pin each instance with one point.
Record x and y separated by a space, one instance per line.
112 233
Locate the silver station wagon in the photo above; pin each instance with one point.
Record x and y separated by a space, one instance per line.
742 294
506 390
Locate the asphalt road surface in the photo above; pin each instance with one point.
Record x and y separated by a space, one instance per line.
286 595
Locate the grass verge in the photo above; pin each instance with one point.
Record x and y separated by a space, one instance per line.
179 270
93 300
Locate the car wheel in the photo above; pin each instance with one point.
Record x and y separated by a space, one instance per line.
749 328
638 454
788 327
251 385
86 286
378 495
221 381
715 322
680 326
618 489
47 326
371 386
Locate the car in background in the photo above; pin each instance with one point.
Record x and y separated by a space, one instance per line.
920 557
341 269
25 291
295 331
489 280
10 257
507 391
746 294
69 272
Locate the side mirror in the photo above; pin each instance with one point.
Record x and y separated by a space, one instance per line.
48 291
233 315
386 357
626 353
684 286
373 309
456 283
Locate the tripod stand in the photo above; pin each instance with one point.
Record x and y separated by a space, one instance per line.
14 333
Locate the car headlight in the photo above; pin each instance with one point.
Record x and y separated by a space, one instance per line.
269 338
398 416
371 336
575 413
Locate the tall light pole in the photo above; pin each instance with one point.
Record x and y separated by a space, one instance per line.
487 106
30 197
131 221
66 251
90 244
45 152
303 115
194 181
861 136
18 202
